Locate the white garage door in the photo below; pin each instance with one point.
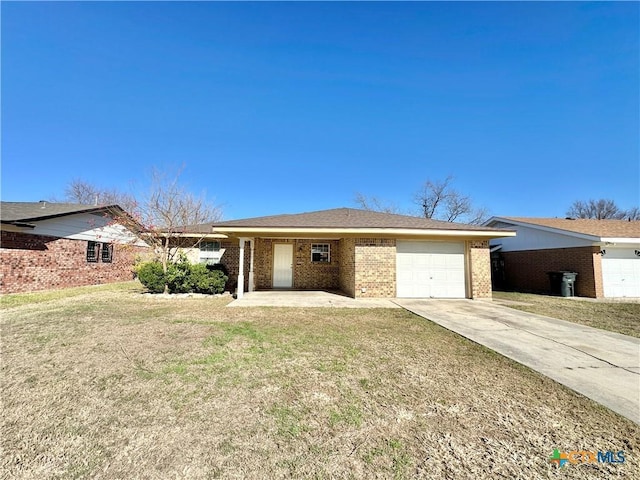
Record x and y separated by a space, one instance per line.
430 269
620 273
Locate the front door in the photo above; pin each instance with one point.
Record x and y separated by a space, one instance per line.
283 265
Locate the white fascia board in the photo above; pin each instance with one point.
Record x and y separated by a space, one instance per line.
191 235
584 236
619 240
372 232
200 235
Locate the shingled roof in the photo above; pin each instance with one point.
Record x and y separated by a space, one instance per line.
596 228
12 212
348 218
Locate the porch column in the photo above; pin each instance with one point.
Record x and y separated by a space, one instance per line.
240 292
251 246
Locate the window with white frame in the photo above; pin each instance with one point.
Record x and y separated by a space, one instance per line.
320 253
210 252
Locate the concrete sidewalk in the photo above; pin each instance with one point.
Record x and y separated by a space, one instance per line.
601 365
305 298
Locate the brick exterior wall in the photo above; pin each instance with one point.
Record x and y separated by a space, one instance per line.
35 262
348 266
263 262
307 275
479 265
527 270
375 267
598 288
231 259
315 275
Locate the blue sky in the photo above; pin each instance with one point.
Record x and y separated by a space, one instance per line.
290 107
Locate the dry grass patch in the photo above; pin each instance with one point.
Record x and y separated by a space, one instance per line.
613 316
113 384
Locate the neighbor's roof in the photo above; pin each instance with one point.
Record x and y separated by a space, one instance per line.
596 228
11 212
24 212
347 218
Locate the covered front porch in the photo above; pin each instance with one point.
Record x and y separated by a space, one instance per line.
286 263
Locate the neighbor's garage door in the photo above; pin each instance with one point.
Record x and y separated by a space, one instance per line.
430 269
620 272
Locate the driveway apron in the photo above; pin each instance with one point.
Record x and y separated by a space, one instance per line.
601 365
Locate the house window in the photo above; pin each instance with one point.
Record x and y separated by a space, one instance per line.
320 253
210 252
107 253
93 249
209 246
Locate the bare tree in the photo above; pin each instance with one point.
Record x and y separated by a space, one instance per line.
633 214
81 191
440 201
168 211
375 204
167 217
478 216
597 209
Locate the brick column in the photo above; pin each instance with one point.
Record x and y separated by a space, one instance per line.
479 268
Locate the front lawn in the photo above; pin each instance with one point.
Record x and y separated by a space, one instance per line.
614 316
108 383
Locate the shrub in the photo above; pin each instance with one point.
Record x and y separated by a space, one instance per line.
152 276
205 280
181 277
221 267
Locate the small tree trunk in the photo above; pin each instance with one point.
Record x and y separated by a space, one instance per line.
165 261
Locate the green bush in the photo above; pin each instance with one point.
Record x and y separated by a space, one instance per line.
152 276
204 280
181 277
221 267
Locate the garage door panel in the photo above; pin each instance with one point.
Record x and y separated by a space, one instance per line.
447 291
430 269
439 261
421 277
621 273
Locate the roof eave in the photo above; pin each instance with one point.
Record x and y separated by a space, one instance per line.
192 235
613 240
584 236
18 223
107 208
362 232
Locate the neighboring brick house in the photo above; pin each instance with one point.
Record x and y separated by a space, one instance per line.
361 253
604 253
46 245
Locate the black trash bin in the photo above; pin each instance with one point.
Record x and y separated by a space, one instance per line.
563 283
555 278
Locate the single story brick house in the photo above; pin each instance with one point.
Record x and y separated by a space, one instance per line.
604 253
361 253
46 245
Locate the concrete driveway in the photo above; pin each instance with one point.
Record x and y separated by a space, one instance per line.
601 365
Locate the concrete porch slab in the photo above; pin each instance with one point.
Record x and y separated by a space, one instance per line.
291 298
